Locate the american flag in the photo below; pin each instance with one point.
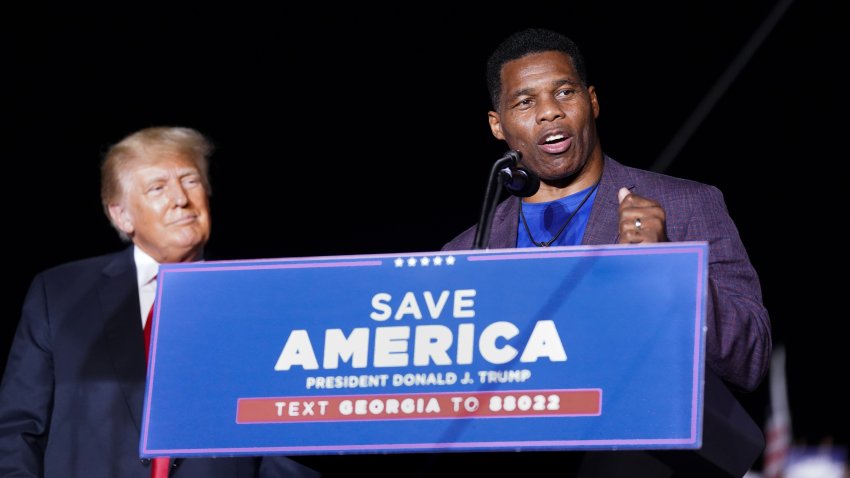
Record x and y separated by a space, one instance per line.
778 435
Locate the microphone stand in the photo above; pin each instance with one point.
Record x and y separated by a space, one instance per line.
491 198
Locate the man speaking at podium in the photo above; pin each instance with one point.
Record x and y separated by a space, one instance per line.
71 395
544 108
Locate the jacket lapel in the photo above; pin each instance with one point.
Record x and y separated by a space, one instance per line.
119 300
505 222
603 224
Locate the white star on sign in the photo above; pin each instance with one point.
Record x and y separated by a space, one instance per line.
438 261
450 260
424 261
399 262
411 262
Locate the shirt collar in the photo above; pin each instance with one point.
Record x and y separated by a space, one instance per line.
146 266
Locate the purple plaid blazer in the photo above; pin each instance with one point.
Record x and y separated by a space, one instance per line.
738 342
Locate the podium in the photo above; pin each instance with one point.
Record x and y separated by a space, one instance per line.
597 351
732 442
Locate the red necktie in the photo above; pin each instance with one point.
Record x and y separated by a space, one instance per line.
159 466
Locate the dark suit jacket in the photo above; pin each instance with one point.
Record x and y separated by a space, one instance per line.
71 396
738 344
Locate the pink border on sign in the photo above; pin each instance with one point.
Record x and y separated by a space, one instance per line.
471 256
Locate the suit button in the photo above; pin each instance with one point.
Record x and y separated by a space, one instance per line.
145 461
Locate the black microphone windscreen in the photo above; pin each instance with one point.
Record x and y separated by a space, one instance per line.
520 181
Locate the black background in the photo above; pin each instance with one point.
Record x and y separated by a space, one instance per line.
365 131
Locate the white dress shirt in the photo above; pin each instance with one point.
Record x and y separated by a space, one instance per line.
146 270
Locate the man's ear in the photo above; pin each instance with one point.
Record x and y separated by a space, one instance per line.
495 125
594 101
121 219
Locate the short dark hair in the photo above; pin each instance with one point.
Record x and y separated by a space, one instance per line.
526 42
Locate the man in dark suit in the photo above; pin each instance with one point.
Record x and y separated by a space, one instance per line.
544 108
71 395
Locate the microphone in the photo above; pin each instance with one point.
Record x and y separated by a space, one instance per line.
520 181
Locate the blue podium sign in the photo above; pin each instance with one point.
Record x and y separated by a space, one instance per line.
521 349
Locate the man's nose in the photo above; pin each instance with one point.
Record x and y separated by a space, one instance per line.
177 195
549 110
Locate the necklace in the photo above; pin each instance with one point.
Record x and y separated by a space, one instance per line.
564 227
